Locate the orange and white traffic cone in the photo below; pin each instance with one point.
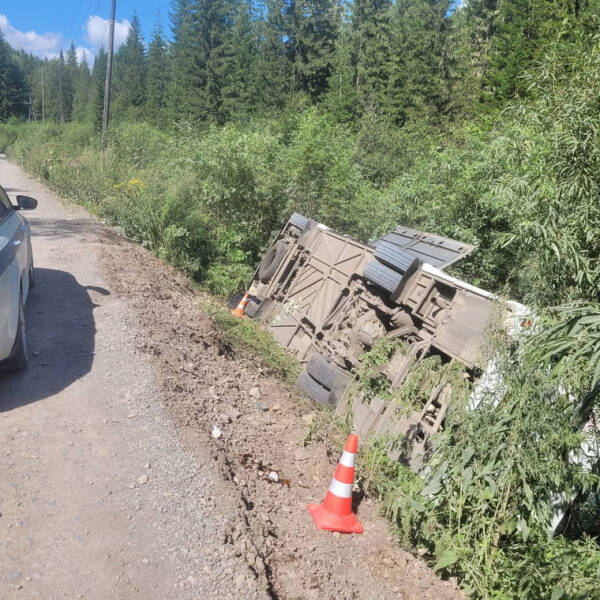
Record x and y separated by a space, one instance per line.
335 513
238 311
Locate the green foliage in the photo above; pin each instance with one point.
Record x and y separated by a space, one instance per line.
11 84
243 334
484 507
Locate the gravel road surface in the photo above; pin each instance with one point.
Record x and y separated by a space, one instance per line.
98 497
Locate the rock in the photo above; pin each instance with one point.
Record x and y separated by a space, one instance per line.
215 432
422 551
233 413
308 418
301 454
261 407
273 476
254 393
142 480
276 408
146 465
225 418
145 561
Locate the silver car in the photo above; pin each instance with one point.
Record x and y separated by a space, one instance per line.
16 279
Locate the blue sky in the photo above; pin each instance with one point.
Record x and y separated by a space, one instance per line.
45 27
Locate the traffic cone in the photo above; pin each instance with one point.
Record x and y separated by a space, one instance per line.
335 513
238 311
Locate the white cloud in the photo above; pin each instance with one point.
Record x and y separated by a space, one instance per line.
96 31
43 45
82 52
48 45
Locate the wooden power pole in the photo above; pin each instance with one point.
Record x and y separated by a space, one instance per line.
111 39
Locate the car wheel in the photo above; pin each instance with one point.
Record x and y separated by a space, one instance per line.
19 357
31 276
273 258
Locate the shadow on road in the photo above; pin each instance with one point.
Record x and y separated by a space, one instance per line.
60 333
64 228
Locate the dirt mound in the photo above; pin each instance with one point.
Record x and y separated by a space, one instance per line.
262 425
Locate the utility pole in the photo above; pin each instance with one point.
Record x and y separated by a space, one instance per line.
43 98
111 39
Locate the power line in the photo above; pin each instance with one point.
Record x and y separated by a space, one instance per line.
73 19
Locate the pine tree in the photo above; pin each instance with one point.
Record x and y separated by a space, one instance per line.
157 80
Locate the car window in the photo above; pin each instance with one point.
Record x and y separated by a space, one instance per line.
5 205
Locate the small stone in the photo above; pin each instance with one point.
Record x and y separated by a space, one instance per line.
145 561
225 418
254 393
262 407
215 432
132 415
276 408
142 479
308 418
273 476
234 413
301 454
422 551
146 465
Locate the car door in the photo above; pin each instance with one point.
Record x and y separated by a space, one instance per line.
13 250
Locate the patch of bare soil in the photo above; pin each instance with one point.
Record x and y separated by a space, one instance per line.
263 425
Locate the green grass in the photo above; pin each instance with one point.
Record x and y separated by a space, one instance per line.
245 335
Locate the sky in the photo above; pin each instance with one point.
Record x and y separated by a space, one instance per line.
45 27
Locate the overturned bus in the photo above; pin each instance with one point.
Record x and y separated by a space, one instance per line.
329 298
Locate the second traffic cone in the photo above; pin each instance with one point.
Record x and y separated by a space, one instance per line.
335 513
238 311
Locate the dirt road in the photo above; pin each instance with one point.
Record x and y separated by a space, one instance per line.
110 483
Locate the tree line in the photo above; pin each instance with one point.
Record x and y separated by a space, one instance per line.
229 59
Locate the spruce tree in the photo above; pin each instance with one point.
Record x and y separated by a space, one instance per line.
130 75
239 91
274 72
523 30
82 93
96 104
372 61
186 75
341 99
12 86
418 76
157 80
314 26
70 81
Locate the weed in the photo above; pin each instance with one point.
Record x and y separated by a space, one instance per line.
246 335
